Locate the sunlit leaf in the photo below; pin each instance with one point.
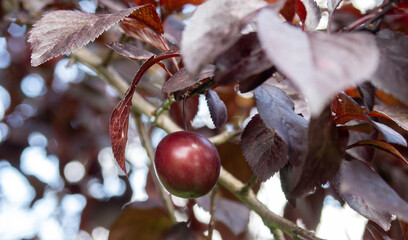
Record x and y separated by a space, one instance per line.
276 110
119 122
320 64
380 145
213 28
217 108
263 149
64 31
367 193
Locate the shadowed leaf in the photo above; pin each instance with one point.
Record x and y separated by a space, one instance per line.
141 220
380 145
182 79
180 231
263 149
233 214
119 122
64 31
323 158
392 74
217 108
214 27
367 193
367 92
320 64
244 59
130 51
276 110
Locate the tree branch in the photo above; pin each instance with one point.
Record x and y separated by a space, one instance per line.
142 106
147 144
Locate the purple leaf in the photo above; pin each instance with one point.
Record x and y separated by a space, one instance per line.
276 110
263 149
243 60
320 64
214 27
119 122
392 74
62 32
218 110
182 79
254 81
367 193
173 29
233 214
130 51
323 158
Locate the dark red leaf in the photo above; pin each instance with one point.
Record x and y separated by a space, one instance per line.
145 26
233 214
367 193
323 158
148 16
62 32
182 79
254 81
217 108
346 109
213 28
141 220
320 64
263 149
276 110
241 61
130 51
118 125
367 93
380 145
377 234
143 2
392 74
175 5
307 10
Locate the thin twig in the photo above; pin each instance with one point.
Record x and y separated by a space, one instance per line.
252 181
212 213
270 219
147 144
